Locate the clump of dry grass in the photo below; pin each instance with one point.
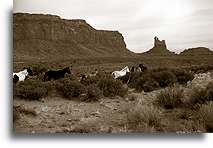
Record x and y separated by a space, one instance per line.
197 96
170 97
200 95
144 117
206 115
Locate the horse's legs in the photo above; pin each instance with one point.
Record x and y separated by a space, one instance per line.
129 78
49 78
44 77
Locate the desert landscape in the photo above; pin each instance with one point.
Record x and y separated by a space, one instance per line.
173 94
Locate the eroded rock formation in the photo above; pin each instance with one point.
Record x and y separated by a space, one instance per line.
159 49
159 44
38 35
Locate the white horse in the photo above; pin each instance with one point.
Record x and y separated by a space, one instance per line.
22 75
121 73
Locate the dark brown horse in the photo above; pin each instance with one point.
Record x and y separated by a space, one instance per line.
54 75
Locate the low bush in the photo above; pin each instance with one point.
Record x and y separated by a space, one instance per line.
164 78
198 96
31 90
183 76
201 95
170 97
111 87
70 88
134 76
147 84
201 69
93 94
156 78
206 115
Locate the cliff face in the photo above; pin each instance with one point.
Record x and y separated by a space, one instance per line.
196 51
159 48
38 35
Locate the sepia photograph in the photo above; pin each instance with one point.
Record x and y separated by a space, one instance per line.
112 66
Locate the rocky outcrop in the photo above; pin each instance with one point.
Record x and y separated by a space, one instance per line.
159 49
197 51
38 35
159 44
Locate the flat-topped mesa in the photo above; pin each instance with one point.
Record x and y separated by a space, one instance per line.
158 43
196 51
35 34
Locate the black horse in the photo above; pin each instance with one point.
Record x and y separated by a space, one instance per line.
142 67
49 75
15 78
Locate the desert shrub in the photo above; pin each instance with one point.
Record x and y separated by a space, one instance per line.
201 95
139 117
164 78
183 76
70 88
93 94
31 90
170 97
147 84
134 76
111 87
198 96
201 69
206 115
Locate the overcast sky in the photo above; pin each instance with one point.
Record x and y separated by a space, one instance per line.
182 23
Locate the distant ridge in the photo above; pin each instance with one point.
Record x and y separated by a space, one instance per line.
159 49
197 51
49 37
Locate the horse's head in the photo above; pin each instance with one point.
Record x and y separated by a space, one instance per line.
30 72
140 65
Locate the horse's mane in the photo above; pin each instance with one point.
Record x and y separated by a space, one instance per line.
125 68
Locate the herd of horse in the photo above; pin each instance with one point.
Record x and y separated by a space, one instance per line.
54 75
